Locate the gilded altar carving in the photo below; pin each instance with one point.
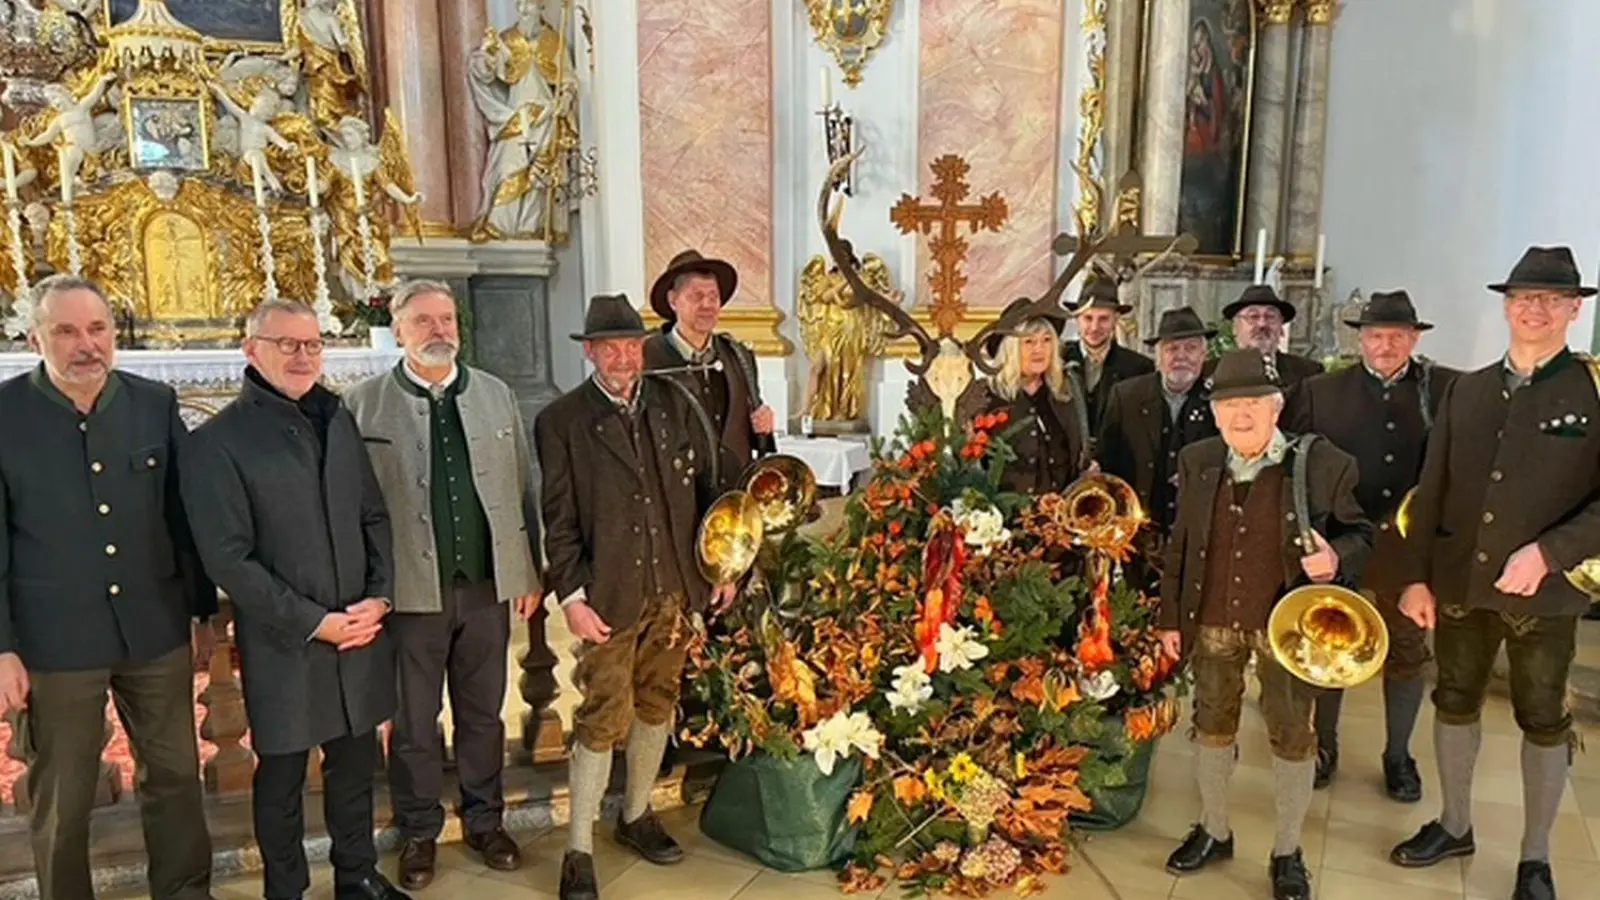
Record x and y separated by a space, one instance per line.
1276 12
840 337
851 30
1321 12
139 170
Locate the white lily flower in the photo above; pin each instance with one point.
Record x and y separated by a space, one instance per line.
834 739
982 528
958 648
1102 686
912 688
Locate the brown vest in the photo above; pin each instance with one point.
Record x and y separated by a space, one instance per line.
1245 575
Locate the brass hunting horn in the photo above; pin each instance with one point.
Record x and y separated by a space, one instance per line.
1102 513
775 495
1324 634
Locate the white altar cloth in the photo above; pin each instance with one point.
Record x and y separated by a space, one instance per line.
220 370
835 461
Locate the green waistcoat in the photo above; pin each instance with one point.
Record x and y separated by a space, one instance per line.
460 528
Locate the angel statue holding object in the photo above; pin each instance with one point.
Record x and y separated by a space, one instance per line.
526 89
384 174
334 61
840 337
74 124
256 131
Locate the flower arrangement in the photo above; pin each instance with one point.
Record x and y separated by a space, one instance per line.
945 637
374 311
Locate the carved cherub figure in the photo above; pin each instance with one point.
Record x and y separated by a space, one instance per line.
256 131
74 124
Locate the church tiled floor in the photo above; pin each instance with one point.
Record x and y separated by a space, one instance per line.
1347 838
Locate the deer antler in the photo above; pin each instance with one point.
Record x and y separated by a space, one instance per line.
1183 244
903 324
1048 302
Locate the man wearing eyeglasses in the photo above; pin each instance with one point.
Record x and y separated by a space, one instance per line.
1259 318
1508 503
447 443
99 580
290 521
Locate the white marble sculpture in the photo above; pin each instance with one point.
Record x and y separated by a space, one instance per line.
74 124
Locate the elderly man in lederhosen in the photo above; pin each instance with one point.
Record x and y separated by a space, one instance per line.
1244 535
1150 418
1098 360
1509 500
1259 318
689 297
627 475
1043 424
1380 412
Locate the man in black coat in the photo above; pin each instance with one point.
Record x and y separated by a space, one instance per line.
1148 419
98 584
1259 318
1380 412
1095 360
291 523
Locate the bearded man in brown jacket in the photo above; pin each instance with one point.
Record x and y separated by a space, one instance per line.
1237 545
627 474
1509 500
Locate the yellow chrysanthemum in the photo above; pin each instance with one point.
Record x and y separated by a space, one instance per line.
935 784
962 769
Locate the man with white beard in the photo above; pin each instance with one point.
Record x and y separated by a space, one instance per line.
450 453
1150 418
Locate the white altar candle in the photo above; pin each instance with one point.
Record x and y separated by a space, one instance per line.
1322 249
1261 255
66 177
827 89
355 178
11 172
255 177
311 180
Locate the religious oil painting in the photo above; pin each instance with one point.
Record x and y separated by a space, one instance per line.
167 133
226 21
1216 133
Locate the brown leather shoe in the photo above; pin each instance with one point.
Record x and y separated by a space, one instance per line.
497 848
417 863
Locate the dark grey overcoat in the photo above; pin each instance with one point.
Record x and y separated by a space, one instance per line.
291 534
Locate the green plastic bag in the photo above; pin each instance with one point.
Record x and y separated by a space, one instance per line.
1115 807
787 815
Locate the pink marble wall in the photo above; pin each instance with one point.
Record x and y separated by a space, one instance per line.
705 108
990 91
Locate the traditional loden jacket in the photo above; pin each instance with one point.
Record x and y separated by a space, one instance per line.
1139 440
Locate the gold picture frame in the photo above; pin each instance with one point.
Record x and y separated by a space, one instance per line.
166 132
288 24
851 30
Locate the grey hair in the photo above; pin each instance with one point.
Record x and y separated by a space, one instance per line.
265 309
61 284
414 288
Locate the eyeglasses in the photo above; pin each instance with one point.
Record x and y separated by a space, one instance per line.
290 346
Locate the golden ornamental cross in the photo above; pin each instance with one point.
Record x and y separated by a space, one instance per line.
947 247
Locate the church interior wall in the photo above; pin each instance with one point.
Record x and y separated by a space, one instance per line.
1460 132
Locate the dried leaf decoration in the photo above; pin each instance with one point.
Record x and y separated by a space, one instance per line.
909 790
860 806
793 682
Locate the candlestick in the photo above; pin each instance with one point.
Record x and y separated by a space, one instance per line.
269 266
255 177
11 172
355 178
66 177
311 181
326 323
1322 249
827 89
1261 254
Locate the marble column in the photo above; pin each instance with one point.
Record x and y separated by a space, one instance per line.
1310 131
1161 131
462 27
1123 20
1269 124
414 77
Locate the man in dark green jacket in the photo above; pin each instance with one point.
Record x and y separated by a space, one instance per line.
1509 500
99 582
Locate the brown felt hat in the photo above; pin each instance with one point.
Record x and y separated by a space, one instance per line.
1244 373
611 316
1180 323
686 263
1259 295
1057 319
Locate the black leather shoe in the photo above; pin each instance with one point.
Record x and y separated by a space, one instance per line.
1327 767
1534 882
1401 781
649 839
498 850
577 877
1197 851
1290 878
417 861
1432 845
373 887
